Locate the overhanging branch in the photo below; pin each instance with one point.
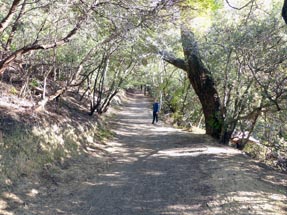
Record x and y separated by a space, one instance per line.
5 62
177 62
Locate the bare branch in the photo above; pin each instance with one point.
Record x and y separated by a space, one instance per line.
15 26
170 58
4 63
239 8
6 21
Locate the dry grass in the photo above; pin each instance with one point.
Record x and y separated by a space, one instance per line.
35 144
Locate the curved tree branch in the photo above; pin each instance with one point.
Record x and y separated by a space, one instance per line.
177 62
238 8
6 21
5 62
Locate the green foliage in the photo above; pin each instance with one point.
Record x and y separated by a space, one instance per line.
34 83
204 4
216 124
176 99
201 10
14 91
255 150
104 134
244 49
246 57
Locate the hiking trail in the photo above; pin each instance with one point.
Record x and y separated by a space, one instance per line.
160 170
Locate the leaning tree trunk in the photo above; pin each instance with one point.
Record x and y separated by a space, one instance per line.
284 11
201 81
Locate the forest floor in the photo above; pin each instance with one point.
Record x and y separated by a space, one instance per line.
159 170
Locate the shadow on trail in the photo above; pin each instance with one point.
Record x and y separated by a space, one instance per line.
160 170
184 182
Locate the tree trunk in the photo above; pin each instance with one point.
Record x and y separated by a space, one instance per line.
201 81
284 11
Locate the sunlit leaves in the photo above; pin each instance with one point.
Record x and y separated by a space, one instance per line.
200 8
247 56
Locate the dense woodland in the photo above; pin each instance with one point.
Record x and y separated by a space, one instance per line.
216 64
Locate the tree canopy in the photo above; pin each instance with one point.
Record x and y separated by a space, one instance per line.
220 65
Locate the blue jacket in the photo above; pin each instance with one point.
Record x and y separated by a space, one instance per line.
155 107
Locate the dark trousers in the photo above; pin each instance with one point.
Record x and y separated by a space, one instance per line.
154 117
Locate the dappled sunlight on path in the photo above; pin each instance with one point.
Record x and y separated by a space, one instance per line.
160 170
163 170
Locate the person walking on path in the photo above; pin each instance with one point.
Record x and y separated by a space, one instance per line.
155 108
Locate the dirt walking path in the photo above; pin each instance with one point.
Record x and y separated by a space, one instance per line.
159 170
